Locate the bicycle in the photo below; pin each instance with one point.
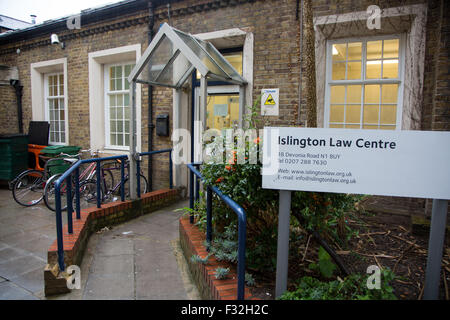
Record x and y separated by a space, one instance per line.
88 188
87 174
32 186
28 187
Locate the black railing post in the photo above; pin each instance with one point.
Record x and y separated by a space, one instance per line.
138 176
77 193
242 238
69 204
191 195
209 215
122 180
59 233
170 170
197 189
99 200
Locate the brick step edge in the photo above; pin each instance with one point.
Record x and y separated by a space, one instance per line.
210 288
93 220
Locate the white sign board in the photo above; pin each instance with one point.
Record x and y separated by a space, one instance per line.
375 162
270 99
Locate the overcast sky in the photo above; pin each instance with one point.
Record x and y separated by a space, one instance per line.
47 9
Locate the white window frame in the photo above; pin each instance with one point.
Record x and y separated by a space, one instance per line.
47 97
399 80
98 60
108 92
38 72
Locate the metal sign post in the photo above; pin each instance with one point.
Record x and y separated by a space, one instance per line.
435 247
283 242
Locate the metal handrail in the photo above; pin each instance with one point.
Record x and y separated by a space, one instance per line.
149 153
68 175
242 223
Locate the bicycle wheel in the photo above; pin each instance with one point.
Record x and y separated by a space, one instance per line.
49 193
143 184
28 188
108 178
88 195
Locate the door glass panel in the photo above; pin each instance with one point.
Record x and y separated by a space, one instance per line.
222 111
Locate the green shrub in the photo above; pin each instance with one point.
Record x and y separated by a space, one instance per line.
354 287
325 264
325 213
222 273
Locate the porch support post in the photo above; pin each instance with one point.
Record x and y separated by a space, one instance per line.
201 118
177 125
132 170
203 100
241 106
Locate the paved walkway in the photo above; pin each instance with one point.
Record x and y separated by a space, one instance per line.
140 259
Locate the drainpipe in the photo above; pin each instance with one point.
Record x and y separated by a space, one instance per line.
300 84
19 92
151 126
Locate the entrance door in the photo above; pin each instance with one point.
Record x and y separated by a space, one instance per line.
222 109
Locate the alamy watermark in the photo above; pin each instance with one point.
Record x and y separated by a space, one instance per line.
374 19
74 22
374 280
228 147
74 279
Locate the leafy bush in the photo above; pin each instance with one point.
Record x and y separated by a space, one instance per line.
325 265
354 287
221 273
197 259
321 212
249 280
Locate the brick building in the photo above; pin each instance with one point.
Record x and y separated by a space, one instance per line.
393 77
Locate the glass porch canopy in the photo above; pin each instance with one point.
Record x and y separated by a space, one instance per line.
172 56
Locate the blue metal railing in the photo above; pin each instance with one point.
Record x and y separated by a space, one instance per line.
150 153
73 172
242 221
68 176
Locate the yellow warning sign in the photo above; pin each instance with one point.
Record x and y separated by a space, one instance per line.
270 101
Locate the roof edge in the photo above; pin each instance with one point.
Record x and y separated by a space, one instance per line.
88 16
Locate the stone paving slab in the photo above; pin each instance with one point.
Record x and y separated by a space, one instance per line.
136 260
10 291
